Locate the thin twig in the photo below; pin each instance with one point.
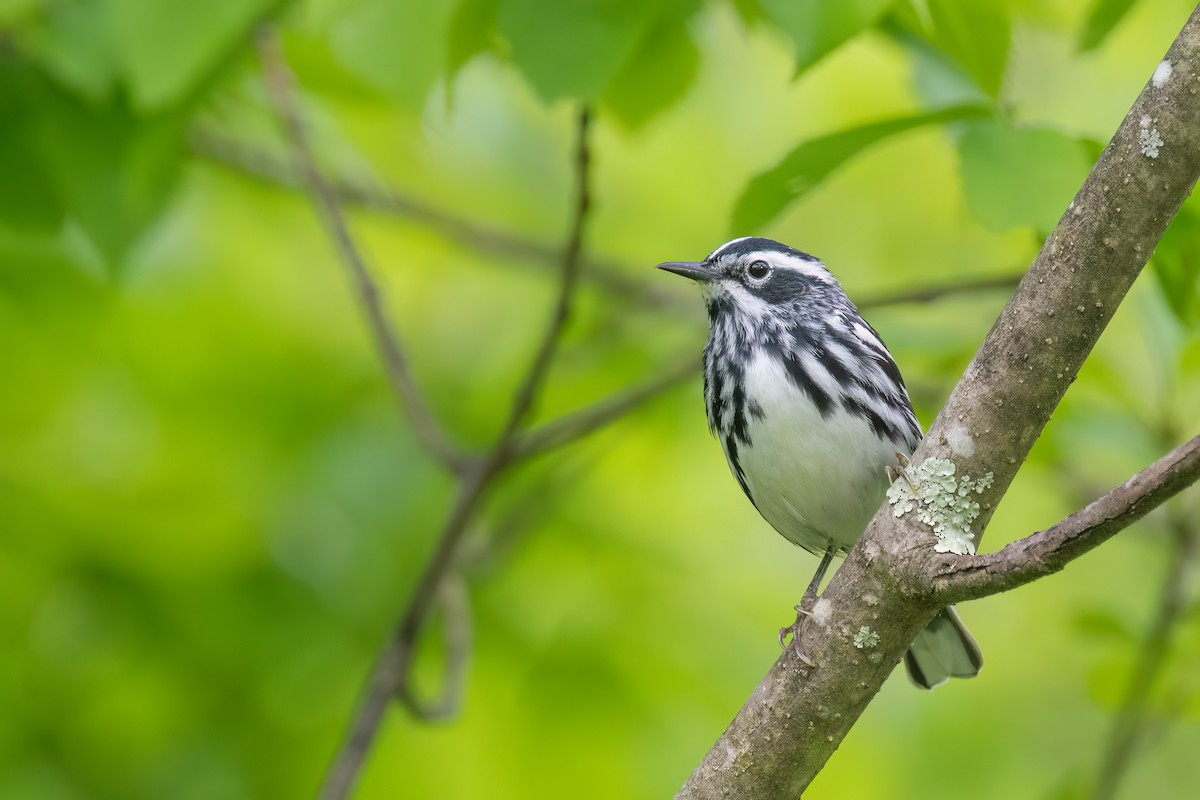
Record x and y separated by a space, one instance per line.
391 674
426 429
928 294
455 603
531 386
575 426
959 578
1128 728
260 163
503 530
372 195
392 669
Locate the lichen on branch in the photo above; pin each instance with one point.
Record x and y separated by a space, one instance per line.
942 501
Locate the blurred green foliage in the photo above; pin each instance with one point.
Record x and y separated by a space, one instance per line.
210 510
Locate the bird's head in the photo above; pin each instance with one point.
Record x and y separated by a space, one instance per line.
755 277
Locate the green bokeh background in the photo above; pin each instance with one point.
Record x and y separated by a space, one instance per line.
211 510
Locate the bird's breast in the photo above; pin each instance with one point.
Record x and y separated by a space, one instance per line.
816 477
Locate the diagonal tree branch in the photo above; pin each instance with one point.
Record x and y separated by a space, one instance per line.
929 294
958 578
586 421
260 163
802 710
279 89
391 674
529 389
455 603
264 165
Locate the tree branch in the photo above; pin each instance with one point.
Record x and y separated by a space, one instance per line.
618 279
260 163
278 79
799 714
959 578
391 674
575 426
529 389
455 602
929 294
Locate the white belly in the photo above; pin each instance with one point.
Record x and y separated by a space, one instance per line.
817 480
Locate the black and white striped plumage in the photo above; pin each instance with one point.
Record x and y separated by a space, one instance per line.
808 405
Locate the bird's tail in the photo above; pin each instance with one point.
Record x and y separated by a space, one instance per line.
944 650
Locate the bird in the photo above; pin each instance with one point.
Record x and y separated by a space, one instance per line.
811 411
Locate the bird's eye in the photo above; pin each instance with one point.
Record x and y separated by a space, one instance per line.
759 270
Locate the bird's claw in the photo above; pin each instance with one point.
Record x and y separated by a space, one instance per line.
783 634
900 470
793 630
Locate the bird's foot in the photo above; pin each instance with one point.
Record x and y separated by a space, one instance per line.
793 630
899 470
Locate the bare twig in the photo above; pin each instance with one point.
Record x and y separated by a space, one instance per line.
455 603
960 578
259 162
391 671
929 294
391 674
1152 657
586 421
279 88
531 386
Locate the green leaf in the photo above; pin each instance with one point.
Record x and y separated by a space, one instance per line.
974 36
471 31
28 202
977 35
817 27
116 182
399 48
1103 17
938 79
659 73
73 45
1015 177
102 166
807 165
168 46
1176 263
574 48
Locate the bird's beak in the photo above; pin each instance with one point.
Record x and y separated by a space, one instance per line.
690 269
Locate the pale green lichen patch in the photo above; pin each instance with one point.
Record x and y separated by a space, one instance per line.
1150 140
942 501
865 638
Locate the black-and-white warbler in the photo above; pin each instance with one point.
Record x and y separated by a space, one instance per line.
810 409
